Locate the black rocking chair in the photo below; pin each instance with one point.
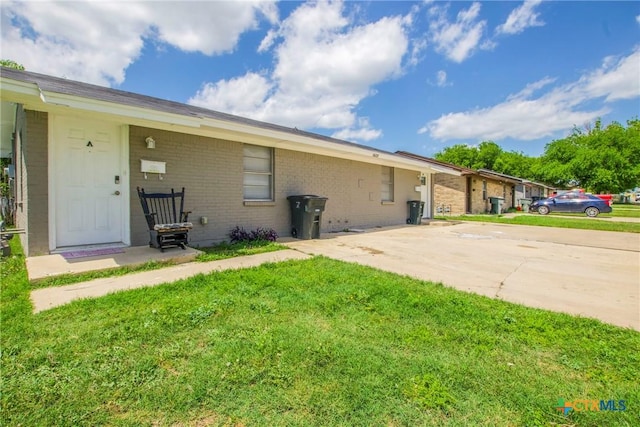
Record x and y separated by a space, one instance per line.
168 226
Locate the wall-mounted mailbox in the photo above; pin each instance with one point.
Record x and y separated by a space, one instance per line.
148 166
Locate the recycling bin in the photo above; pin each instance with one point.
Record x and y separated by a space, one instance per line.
306 215
496 204
416 207
525 203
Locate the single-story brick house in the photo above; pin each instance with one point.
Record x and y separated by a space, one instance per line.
524 188
79 152
470 191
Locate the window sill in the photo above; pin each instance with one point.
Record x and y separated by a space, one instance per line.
259 203
387 203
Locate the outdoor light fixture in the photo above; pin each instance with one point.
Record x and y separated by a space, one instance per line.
151 143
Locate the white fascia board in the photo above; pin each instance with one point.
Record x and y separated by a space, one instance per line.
30 95
111 108
13 90
444 169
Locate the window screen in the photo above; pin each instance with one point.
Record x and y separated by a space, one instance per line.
258 173
387 184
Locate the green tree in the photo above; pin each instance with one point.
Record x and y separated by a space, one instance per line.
488 153
598 159
11 64
515 164
459 155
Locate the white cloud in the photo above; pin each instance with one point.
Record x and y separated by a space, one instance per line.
242 95
616 79
418 46
96 41
325 65
362 133
521 18
638 19
210 27
457 40
524 117
441 78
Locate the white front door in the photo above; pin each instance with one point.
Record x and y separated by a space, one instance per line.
88 182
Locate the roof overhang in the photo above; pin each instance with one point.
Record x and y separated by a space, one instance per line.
32 97
499 177
436 166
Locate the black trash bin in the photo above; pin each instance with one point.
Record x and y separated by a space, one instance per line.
416 207
306 215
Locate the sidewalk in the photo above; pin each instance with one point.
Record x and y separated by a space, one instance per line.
44 299
45 266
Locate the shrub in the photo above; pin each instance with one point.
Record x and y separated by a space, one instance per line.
239 234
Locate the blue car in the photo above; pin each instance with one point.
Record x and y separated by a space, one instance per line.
571 203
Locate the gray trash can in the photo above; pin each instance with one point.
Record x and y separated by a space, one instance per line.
525 203
496 204
416 207
306 215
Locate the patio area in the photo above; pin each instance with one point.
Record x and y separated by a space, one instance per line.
82 260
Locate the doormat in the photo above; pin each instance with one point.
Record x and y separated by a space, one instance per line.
91 252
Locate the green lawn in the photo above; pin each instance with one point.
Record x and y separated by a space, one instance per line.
561 221
626 210
308 343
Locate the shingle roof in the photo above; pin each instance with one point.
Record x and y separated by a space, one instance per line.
462 170
501 176
90 91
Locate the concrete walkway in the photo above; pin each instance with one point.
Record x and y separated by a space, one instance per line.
44 299
42 267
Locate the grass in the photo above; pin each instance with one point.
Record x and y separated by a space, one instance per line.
626 211
229 250
214 253
314 343
551 221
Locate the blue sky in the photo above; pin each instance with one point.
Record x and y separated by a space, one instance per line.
399 75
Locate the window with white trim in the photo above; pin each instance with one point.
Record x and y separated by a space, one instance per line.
386 189
258 173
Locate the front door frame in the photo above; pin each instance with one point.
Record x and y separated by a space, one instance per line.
54 122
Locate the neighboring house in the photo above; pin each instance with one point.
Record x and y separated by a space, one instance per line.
535 190
470 191
79 153
523 189
451 194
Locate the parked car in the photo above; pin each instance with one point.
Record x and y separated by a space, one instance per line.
607 198
571 202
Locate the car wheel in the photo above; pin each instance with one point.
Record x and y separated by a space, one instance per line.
592 212
543 210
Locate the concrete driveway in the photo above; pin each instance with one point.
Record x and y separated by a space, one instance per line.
588 273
